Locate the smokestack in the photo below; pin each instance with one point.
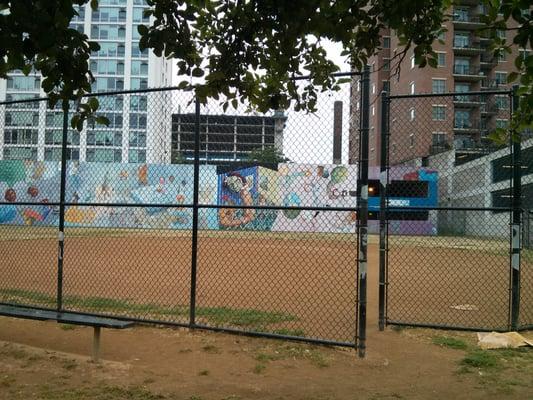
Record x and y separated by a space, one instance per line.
337 132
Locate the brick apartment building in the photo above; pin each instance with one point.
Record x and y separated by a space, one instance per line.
427 126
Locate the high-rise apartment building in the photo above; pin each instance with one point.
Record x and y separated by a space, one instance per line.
30 131
432 125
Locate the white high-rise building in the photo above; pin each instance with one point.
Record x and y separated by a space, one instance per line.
140 125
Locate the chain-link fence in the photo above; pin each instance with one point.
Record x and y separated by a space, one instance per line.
451 226
184 213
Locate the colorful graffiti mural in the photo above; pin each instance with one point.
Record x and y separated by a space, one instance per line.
297 185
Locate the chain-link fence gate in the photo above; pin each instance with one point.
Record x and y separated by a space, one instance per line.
450 249
187 214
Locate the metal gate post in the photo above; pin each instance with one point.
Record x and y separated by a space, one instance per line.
62 189
194 249
363 207
516 221
383 222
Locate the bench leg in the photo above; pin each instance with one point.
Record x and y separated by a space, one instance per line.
96 344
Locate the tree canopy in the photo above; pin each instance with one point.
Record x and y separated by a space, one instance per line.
248 51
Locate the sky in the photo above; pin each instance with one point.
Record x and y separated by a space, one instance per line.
308 138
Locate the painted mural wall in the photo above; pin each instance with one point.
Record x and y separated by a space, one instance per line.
148 187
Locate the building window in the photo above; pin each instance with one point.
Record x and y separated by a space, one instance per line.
412 88
441 59
461 66
442 35
500 77
461 39
500 33
54 154
373 88
412 114
386 42
138 83
104 155
438 85
502 123
412 62
439 113
502 57
462 119
137 156
373 110
438 138
20 153
386 64
501 102
411 140
23 83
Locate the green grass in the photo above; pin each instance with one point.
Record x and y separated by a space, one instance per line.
259 368
450 342
293 351
98 393
481 359
211 348
219 316
67 327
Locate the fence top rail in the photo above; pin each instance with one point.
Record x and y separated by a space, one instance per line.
450 94
159 89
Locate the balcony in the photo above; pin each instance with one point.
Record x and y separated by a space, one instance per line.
467 101
462 48
489 109
466 21
465 126
489 84
467 73
487 61
437 148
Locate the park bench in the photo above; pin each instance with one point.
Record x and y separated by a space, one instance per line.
68 318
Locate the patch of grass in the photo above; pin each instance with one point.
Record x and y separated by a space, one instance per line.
67 327
211 348
7 381
98 393
219 316
69 364
450 342
203 372
259 368
287 351
480 359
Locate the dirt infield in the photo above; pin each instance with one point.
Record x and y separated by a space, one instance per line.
297 284
303 287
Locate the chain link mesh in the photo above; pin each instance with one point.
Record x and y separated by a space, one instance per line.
273 249
449 207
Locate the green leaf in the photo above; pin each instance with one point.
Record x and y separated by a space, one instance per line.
197 72
102 120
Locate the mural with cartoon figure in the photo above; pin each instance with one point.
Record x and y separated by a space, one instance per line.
155 186
255 186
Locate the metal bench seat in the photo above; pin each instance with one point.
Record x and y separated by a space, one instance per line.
68 318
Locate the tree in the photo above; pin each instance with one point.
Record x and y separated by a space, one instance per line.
268 155
245 51
515 16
